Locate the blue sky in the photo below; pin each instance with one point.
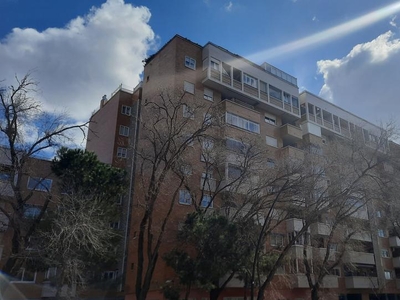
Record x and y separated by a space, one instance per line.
81 50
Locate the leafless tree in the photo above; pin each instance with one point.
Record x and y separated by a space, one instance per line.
25 131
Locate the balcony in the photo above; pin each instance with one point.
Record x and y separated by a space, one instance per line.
322 253
297 252
362 236
396 262
394 241
294 225
299 281
359 258
320 229
330 282
291 153
398 284
361 282
290 133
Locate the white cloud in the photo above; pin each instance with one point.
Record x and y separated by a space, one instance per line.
86 59
393 21
229 6
366 81
314 19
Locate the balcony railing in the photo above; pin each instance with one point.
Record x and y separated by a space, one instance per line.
394 241
360 282
359 258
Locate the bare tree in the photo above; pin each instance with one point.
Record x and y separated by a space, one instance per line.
25 131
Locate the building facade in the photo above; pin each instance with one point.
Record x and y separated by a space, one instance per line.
262 102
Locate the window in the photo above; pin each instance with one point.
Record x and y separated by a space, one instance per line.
235 145
123 130
51 273
188 112
242 123
277 239
206 149
188 139
186 169
226 69
206 201
378 214
114 225
122 152
185 197
208 94
39 184
335 271
5 176
381 233
385 253
110 275
271 141
270 163
119 200
190 63
234 172
286 97
333 247
295 102
31 211
126 110
274 92
249 80
270 119
207 182
214 65
24 275
388 275
188 87
207 119
263 87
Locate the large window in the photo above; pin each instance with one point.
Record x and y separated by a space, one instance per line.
123 130
271 141
208 94
270 119
235 145
286 97
39 184
190 63
242 123
249 80
185 197
24 275
275 92
214 65
295 102
263 87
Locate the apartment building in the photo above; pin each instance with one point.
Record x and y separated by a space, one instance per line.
257 101
111 136
37 179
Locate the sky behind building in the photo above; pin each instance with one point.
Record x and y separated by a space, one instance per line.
346 51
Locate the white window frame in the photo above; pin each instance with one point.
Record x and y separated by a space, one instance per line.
188 87
385 253
215 65
122 152
50 273
242 123
270 119
188 112
208 94
381 233
39 185
271 141
250 80
123 130
378 214
190 63
185 198
22 277
126 110
209 203
388 274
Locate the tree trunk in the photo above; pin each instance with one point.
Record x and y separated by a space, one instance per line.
314 294
214 294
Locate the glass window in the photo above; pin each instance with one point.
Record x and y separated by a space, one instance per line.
4 176
226 69
237 75
123 130
126 110
295 102
263 87
188 112
242 123
381 233
275 92
214 65
271 141
286 97
185 197
208 94
122 152
190 63
31 212
39 184
250 80
24 275
235 145
277 239
270 119
270 163
385 253
234 172
188 87
206 201
310 109
388 275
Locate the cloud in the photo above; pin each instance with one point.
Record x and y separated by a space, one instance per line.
366 80
229 6
315 19
84 60
393 21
